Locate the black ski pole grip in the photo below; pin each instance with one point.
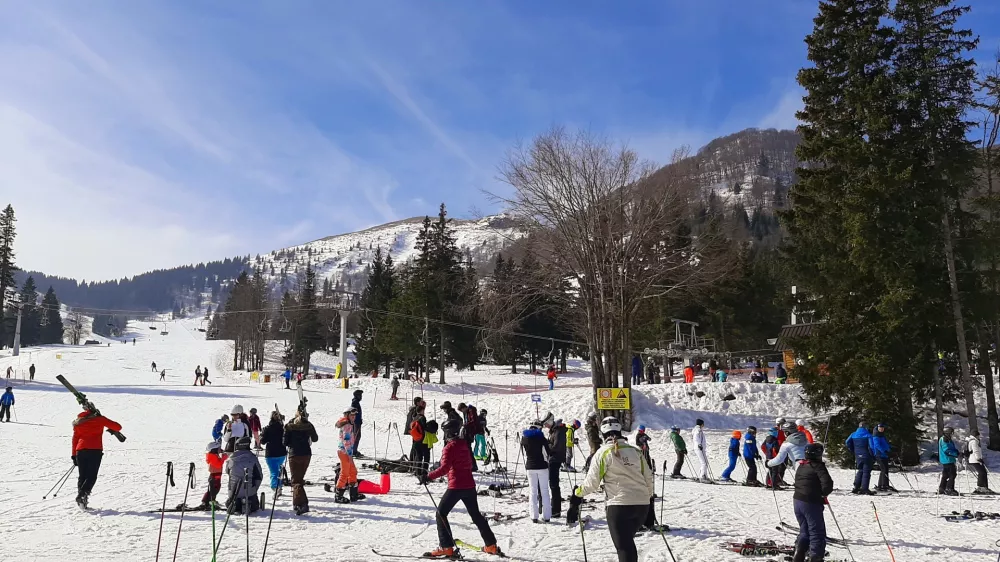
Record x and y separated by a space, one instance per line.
191 476
170 473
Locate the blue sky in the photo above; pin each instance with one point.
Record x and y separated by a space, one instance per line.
138 135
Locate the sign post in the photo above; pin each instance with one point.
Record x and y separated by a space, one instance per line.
537 399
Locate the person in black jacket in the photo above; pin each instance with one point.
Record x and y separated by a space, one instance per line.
557 445
356 406
273 439
299 437
536 451
812 485
420 453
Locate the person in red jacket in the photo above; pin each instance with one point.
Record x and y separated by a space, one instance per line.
88 449
253 422
456 462
215 459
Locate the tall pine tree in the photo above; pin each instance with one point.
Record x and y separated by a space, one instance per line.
307 336
7 267
371 350
52 325
31 319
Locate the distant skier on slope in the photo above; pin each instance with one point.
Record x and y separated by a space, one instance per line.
154 366
550 374
974 453
480 451
395 387
593 438
242 464
947 455
31 372
680 449
287 375
6 403
88 449
880 450
197 376
701 450
204 377
163 375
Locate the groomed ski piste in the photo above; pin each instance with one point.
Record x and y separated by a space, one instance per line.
172 421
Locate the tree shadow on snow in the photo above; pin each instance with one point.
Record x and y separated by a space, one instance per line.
175 390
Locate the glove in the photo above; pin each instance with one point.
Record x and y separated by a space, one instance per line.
74 460
578 492
700 448
576 441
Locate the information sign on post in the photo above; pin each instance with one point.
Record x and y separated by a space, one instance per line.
613 399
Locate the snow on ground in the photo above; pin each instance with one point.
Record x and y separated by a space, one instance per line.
172 420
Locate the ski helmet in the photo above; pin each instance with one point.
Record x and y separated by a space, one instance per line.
737 434
642 428
213 446
779 421
576 424
10 388
751 429
699 421
432 426
243 443
253 410
610 425
789 427
358 392
949 431
237 409
814 452
880 425
535 425
674 428
451 427
483 412
800 422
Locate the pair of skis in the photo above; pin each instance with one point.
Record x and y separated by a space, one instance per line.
81 398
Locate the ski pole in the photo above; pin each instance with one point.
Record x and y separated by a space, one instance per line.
246 506
437 513
903 473
776 508
212 503
58 483
163 512
839 530
886 541
190 486
374 428
400 439
267 536
663 484
388 434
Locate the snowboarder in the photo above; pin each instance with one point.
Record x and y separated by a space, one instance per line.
536 450
88 449
236 429
642 440
154 366
204 377
358 423
6 403
240 466
456 463
31 372
557 445
751 456
947 454
801 424
395 387
197 376
974 452
253 423
550 374
163 375
680 449
636 370
859 444
287 375
345 452
274 449
628 487
219 427
571 441
420 455
299 437
215 459
480 451
734 454
880 450
812 485
701 445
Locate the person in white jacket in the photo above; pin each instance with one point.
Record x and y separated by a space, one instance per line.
628 487
701 449
794 447
236 429
974 450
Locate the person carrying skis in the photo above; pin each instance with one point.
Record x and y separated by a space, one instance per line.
880 449
680 449
273 438
801 424
456 462
812 485
395 387
947 455
197 376
571 440
734 455
793 449
859 444
219 427
6 403
481 452
345 452
550 374
88 449
253 424
245 477
358 423
701 447
536 450
299 437
628 488
420 454
751 456
974 453
31 372
593 438
642 440
215 459
557 445
288 378
235 429
770 449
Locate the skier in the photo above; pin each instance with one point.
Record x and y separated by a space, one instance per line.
698 436
571 440
395 387
204 377
859 444
154 366
642 441
345 452
470 428
420 455
220 425
947 454
801 424
299 437
734 453
6 402
456 463
628 487
880 448
721 375
751 456
88 449
288 378
636 370
215 459
536 450
240 466
779 424
551 375
358 424
197 376
593 438
274 449
10 371
253 423
31 372
812 485
480 451
689 374
793 449
680 449
557 445
770 450
163 375
974 453
451 413
235 429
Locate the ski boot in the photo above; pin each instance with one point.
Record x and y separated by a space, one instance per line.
355 494
81 501
983 491
494 550
340 496
445 552
951 492
800 554
301 509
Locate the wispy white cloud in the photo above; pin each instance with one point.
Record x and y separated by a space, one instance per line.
783 114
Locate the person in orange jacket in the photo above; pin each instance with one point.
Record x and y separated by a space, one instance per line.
215 459
801 425
689 374
88 449
551 375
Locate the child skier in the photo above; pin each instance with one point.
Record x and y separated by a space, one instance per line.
395 387
215 459
974 453
571 440
680 448
734 453
480 451
642 440
812 485
274 449
770 449
751 456
253 422
345 452
219 427
6 403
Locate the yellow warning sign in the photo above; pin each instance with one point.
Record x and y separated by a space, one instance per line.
613 399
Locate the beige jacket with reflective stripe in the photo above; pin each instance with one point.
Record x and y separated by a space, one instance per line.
623 470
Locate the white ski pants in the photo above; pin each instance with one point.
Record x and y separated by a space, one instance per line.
702 463
538 484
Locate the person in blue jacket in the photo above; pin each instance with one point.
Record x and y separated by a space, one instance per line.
859 443
880 449
219 426
947 454
288 378
770 449
636 370
6 401
750 456
734 455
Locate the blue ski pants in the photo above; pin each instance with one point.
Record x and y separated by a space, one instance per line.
812 528
274 464
732 466
863 476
